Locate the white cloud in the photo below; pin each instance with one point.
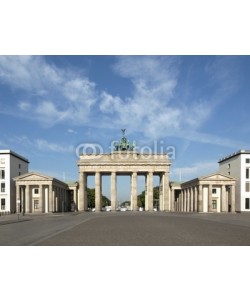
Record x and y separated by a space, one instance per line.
69 95
47 146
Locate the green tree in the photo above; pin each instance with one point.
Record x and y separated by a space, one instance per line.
141 197
91 199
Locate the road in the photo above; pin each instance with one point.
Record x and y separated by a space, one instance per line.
126 229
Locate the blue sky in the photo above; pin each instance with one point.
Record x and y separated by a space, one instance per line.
197 104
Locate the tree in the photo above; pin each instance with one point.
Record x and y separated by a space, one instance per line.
91 199
141 197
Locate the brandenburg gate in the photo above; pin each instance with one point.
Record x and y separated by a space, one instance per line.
124 160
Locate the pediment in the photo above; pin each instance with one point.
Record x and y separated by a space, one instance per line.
33 176
216 176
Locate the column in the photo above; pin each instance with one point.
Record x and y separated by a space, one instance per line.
182 201
161 205
185 200
134 191
50 208
166 191
232 198
150 191
40 198
27 199
196 198
188 199
172 199
219 201
223 199
200 197
113 191
17 205
146 192
192 199
98 192
82 201
209 202
46 199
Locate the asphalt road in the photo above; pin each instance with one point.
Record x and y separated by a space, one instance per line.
127 229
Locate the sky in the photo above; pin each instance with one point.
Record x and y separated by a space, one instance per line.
193 107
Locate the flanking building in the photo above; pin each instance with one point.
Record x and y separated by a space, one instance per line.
238 165
39 193
11 165
211 193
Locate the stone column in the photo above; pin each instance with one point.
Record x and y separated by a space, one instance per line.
182 201
200 198
98 191
50 209
166 191
161 205
134 191
150 191
17 206
82 200
113 191
146 192
27 198
223 198
232 198
172 199
185 200
192 199
188 199
209 200
41 198
196 198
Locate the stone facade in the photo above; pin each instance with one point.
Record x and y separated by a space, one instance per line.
125 163
211 193
38 193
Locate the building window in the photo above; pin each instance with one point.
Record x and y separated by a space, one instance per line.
2 161
247 173
213 191
20 173
2 204
19 166
228 166
2 174
247 160
247 186
36 204
247 203
3 187
229 173
36 191
214 204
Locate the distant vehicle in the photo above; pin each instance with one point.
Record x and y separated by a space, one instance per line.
155 209
140 208
107 208
123 209
93 209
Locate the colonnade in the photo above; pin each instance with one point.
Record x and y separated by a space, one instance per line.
50 198
199 198
164 190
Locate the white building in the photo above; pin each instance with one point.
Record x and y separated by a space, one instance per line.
237 165
11 165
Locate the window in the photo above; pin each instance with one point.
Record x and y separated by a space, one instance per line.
228 166
20 173
36 204
247 160
229 173
247 186
2 161
247 203
247 173
2 174
19 166
3 187
2 204
213 191
214 204
36 191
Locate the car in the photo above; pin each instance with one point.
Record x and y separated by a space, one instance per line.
123 209
140 208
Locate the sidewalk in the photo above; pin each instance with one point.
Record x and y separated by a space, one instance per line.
13 218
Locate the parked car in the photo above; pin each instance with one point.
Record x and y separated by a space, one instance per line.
123 209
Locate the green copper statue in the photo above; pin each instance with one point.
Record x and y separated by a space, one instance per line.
124 144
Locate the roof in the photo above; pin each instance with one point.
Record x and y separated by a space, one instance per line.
234 154
214 176
14 154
